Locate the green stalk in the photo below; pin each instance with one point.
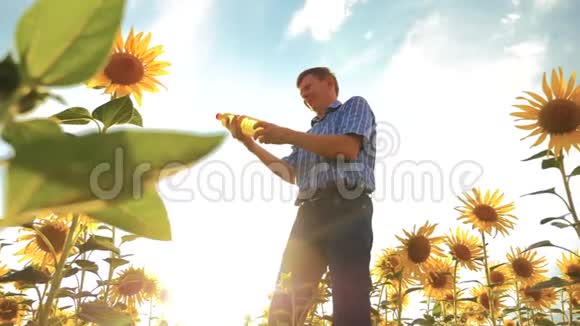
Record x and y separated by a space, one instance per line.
400 300
566 180
58 273
518 303
455 293
110 275
489 289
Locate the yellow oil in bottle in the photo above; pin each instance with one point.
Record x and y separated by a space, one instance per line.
247 124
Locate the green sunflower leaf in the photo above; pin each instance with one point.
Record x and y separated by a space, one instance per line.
116 262
56 51
576 171
539 155
110 177
546 191
136 118
73 116
116 111
28 275
96 242
552 163
102 314
20 133
550 219
551 283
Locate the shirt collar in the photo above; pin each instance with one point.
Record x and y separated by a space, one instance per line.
331 108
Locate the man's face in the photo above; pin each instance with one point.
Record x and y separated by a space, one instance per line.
315 92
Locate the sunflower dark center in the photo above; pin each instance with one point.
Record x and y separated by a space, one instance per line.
131 284
438 280
124 69
535 294
419 249
496 277
522 267
8 309
462 252
56 235
394 261
560 116
485 213
574 271
484 300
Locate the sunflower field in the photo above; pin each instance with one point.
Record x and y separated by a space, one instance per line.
71 221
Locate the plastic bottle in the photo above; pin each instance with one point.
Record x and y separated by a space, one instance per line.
247 124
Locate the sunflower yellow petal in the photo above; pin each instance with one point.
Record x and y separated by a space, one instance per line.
547 89
537 97
556 84
528 127
571 84
540 139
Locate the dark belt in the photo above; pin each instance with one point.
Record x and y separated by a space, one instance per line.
331 192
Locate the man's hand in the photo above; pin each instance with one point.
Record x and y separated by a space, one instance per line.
269 133
235 129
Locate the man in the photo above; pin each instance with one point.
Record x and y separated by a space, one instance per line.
333 166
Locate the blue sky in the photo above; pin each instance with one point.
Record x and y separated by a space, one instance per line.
441 77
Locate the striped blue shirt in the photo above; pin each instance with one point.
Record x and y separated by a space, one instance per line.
313 171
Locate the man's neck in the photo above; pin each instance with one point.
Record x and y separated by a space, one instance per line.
322 111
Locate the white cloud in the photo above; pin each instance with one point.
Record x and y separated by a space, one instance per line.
526 49
516 3
545 4
364 58
321 17
510 18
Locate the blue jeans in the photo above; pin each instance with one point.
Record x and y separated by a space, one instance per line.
334 233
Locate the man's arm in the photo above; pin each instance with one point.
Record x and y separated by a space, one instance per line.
276 165
329 146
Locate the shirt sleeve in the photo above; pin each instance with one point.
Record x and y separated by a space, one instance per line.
292 157
357 118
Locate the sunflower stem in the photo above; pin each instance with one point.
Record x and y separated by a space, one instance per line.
380 297
455 293
82 283
571 305
569 195
489 289
110 275
58 273
518 303
400 299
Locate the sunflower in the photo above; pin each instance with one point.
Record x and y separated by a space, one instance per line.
38 251
538 299
499 276
393 297
388 264
486 213
12 310
525 267
556 115
482 296
131 68
131 288
472 314
437 279
570 266
419 248
465 248
510 322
